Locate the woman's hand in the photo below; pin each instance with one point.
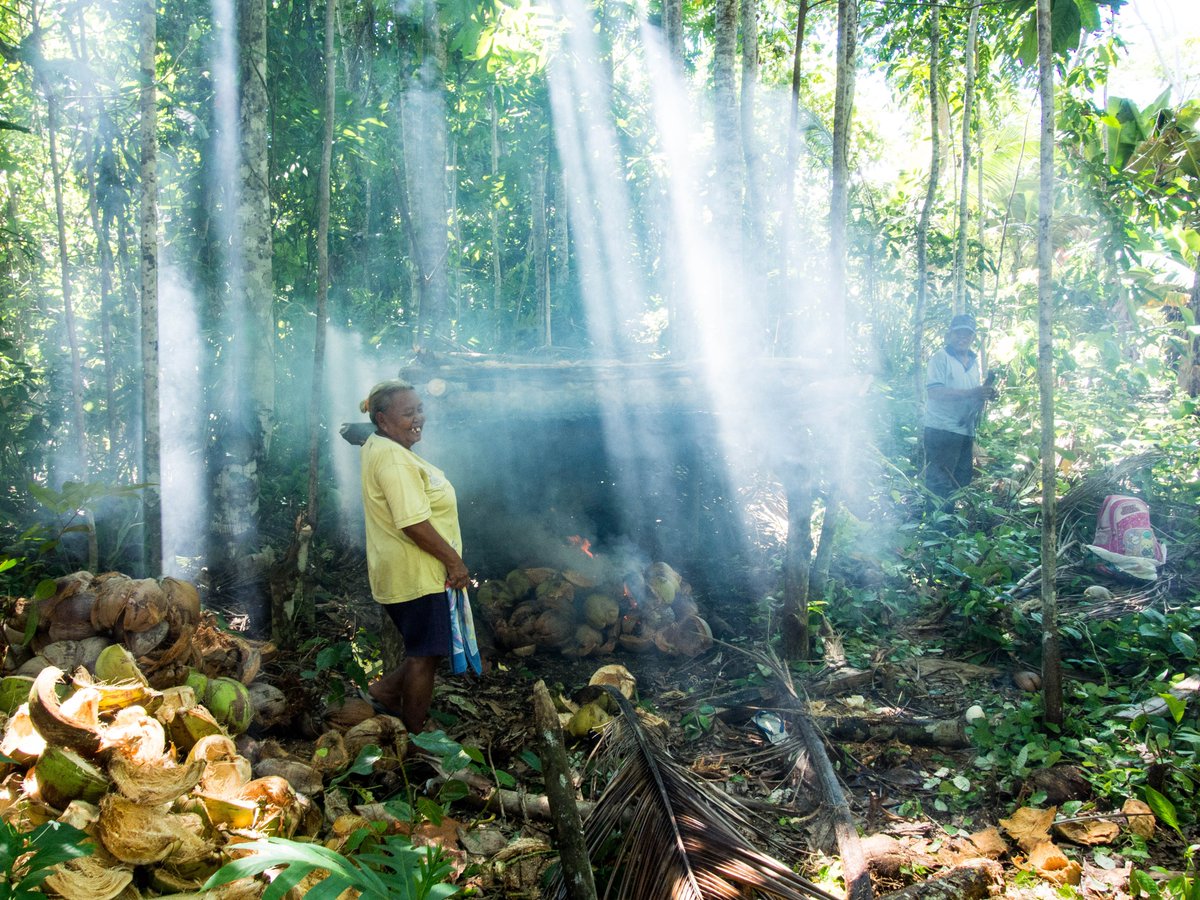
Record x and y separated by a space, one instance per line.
457 576
425 536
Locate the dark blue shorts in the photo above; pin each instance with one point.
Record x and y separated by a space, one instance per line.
424 623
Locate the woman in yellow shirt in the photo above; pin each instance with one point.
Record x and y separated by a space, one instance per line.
414 546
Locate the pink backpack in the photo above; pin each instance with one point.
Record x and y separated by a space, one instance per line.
1123 526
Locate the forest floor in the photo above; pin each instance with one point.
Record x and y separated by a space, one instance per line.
895 734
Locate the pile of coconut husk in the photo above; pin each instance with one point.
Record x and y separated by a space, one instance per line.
606 608
163 778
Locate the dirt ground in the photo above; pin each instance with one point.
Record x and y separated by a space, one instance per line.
893 778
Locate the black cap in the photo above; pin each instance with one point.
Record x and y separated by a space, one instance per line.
962 323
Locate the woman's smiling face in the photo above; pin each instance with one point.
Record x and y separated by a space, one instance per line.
403 419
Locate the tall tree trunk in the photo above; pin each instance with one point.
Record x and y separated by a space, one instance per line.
922 236
672 13
294 611
755 215
1052 696
425 150
493 208
541 250
839 202
789 187
254 213
151 439
960 255
104 258
561 270
76 442
727 192
247 394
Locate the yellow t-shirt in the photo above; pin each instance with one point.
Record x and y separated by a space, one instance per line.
401 489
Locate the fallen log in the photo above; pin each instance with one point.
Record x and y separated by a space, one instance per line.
854 861
973 880
560 791
949 733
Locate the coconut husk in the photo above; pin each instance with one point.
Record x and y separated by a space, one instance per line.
138 834
85 878
152 784
75 724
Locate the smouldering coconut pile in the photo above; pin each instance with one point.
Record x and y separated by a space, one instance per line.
582 614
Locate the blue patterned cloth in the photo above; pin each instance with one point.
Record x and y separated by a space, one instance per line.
464 651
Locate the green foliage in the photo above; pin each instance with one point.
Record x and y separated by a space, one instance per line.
699 722
1175 885
26 859
392 868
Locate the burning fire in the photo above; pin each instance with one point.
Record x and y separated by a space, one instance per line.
583 544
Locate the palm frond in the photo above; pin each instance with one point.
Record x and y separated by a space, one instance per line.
680 837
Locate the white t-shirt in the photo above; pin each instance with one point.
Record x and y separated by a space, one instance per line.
956 415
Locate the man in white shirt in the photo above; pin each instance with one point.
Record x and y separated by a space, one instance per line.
955 395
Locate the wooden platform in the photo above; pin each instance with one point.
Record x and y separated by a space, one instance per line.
478 388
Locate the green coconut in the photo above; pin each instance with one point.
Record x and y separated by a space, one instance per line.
115 664
229 702
519 583
198 682
663 581
63 775
601 611
590 717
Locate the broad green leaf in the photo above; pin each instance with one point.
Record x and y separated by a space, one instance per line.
1163 808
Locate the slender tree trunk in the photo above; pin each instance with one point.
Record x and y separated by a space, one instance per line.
1190 375
425 108
151 439
561 268
797 565
541 252
818 577
493 209
960 256
1052 696
922 236
76 442
254 214
323 190
789 186
839 202
727 186
673 29
104 258
755 215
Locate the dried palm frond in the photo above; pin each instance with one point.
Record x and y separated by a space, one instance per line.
681 838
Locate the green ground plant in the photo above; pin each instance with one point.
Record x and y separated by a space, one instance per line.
27 859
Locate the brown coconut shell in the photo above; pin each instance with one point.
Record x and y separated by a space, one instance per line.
350 713
137 834
75 724
270 705
86 878
145 606
385 732
329 754
70 619
303 778
136 736
112 590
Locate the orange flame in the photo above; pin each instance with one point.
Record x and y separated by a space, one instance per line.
583 544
